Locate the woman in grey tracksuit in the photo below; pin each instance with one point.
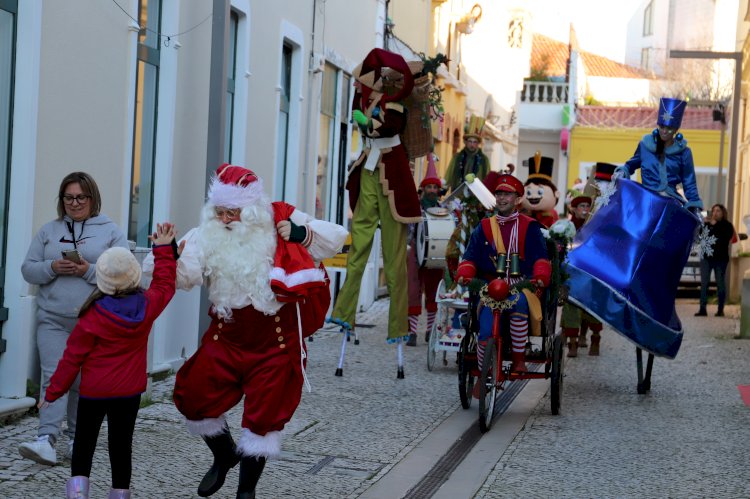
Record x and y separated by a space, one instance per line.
64 285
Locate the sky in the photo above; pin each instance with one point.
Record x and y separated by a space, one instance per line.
600 25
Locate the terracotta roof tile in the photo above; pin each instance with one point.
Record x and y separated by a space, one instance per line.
553 56
695 118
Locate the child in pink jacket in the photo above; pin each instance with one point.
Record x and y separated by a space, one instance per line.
108 347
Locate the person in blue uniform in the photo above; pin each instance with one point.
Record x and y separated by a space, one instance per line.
627 261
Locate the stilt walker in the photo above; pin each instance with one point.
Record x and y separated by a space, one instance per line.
381 191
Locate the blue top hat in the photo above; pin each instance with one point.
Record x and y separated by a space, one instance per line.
670 112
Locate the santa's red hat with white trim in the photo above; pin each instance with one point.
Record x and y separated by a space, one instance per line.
234 187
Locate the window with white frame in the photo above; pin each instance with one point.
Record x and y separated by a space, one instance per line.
8 13
234 20
648 19
333 148
326 145
285 85
646 58
144 123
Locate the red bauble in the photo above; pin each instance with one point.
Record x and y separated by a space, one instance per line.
498 289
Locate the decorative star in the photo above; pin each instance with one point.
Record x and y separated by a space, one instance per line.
666 117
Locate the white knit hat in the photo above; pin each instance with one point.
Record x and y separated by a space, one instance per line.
117 270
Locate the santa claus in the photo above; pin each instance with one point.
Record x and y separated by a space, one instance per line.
266 293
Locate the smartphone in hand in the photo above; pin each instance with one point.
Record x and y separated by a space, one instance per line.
72 255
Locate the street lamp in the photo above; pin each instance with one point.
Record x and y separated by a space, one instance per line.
737 57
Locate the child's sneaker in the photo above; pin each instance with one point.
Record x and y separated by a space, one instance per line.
39 450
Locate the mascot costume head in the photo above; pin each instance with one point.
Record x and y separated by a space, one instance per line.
541 194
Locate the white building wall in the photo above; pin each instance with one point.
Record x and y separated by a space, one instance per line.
493 71
618 91
657 42
683 25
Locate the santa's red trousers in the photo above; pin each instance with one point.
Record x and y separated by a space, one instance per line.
254 355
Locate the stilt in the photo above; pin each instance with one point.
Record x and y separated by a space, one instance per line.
400 355
644 382
346 330
344 339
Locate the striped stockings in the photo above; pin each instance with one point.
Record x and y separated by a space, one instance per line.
413 321
430 320
519 332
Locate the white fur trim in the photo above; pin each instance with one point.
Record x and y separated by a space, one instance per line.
297 278
209 427
234 196
268 445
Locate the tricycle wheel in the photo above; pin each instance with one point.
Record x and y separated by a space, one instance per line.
488 386
465 378
557 374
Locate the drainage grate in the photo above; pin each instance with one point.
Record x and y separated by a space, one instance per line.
320 465
442 469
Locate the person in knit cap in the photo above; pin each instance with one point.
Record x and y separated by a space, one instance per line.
423 281
258 262
108 348
381 192
516 239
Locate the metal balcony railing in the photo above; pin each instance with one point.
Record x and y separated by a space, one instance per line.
544 92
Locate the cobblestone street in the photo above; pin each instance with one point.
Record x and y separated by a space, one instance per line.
687 438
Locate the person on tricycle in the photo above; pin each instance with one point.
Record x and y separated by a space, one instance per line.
509 246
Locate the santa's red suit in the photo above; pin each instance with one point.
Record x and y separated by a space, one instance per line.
266 295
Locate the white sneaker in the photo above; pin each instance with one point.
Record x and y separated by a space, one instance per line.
69 453
40 451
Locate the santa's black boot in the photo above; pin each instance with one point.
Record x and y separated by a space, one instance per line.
250 470
225 458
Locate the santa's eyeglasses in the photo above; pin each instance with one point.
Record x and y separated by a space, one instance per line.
226 213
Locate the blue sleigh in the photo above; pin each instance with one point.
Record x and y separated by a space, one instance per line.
625 267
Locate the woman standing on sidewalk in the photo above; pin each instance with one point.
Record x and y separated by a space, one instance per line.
720 232
64 285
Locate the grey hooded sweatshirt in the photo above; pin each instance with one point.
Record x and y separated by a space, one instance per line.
64 295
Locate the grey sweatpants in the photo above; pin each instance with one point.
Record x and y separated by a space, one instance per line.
51 336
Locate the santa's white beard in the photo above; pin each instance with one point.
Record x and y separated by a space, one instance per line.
238 262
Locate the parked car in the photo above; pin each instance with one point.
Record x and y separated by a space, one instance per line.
691 274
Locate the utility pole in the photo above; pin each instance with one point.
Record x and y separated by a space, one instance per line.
720 115
217 101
